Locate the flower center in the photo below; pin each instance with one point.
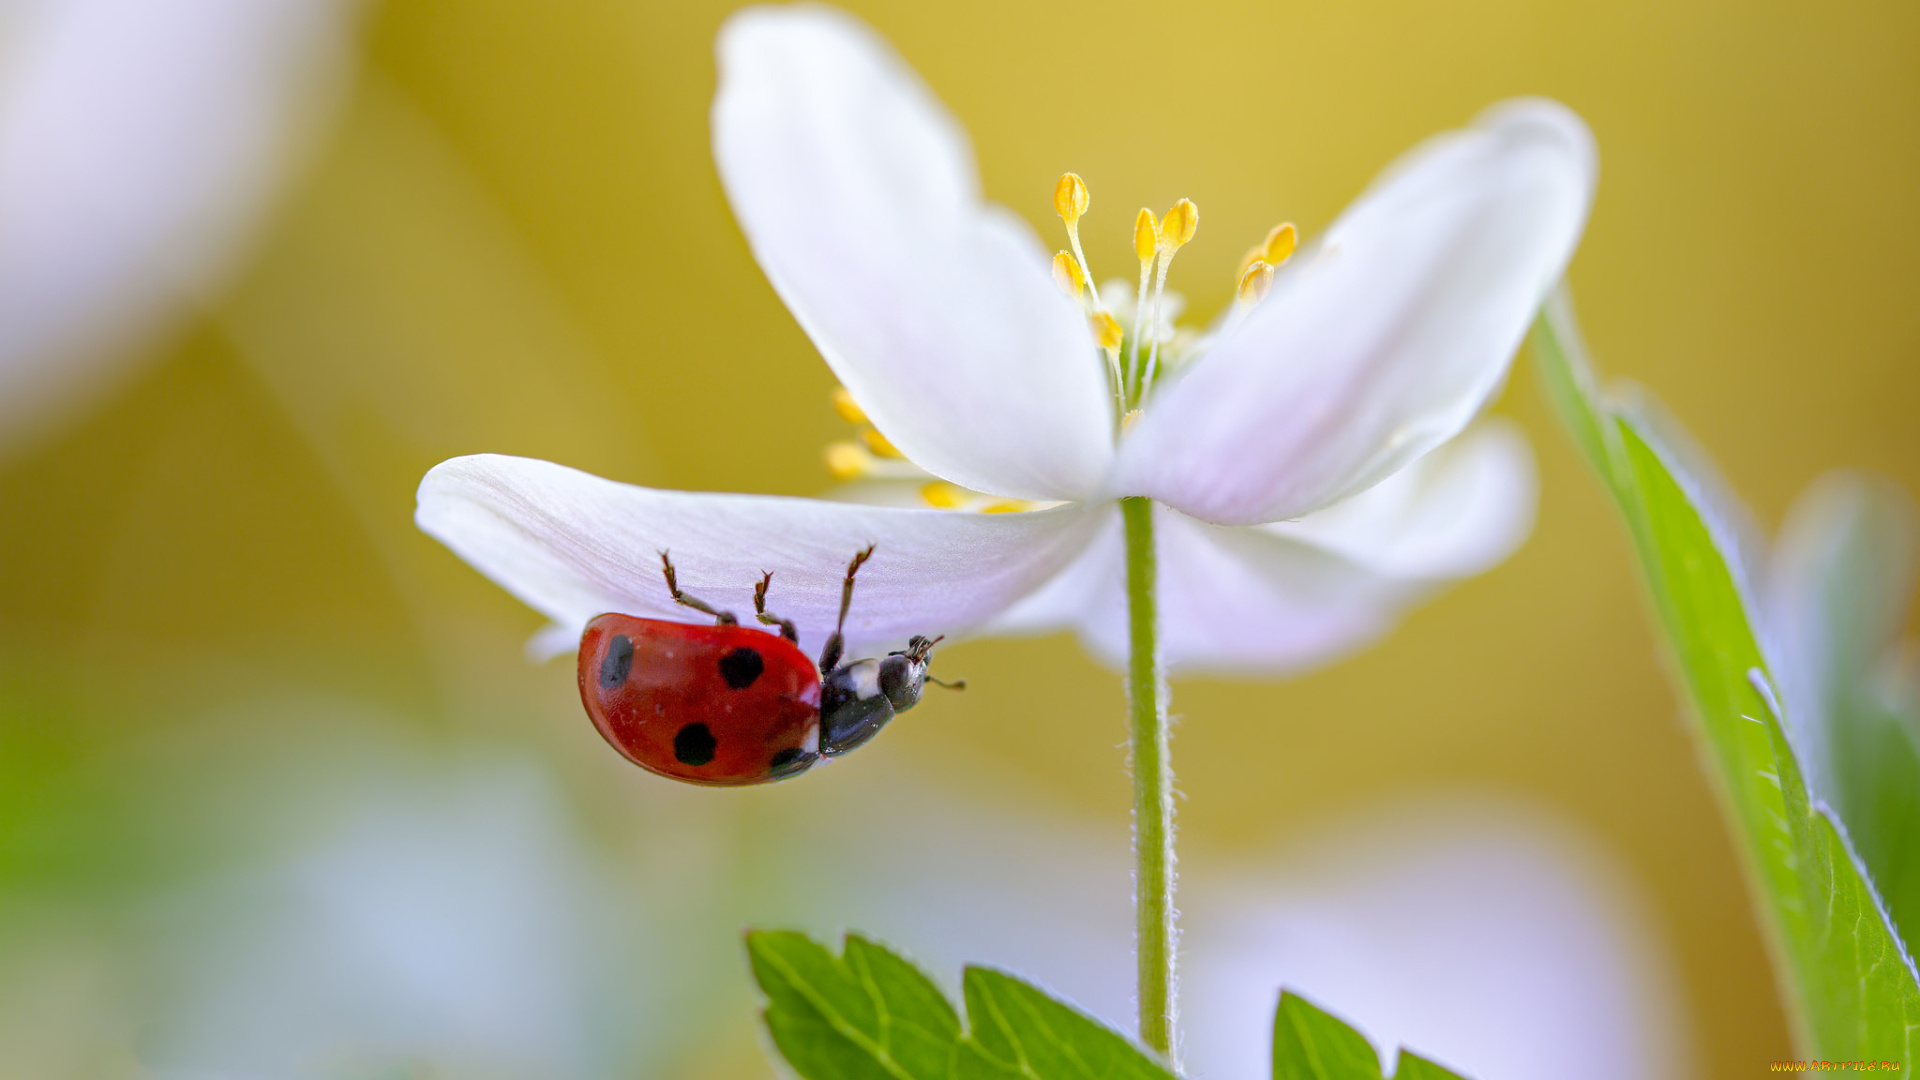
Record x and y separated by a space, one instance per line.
1155 242
1148 307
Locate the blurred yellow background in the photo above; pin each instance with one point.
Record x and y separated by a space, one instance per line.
511 238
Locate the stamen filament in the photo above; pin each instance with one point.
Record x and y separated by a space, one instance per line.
1071 200
1139 319
1146 244
1153 349
1176 229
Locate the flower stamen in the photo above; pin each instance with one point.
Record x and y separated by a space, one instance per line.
847 461
1178 227
1282 239
1258 265
1068 275
1070 200
849 409
1146 246
850 461
944 496
878 444
1255 280
874 455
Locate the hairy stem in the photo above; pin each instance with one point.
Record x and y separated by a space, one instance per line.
1152 786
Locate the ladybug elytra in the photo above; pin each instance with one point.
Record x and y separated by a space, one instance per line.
729 705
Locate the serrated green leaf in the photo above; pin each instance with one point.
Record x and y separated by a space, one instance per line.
870 1015
1019 1031
865 1015
1850 988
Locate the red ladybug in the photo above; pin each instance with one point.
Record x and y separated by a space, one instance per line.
728 705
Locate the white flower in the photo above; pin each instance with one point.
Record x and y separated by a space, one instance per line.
139 146
1291 523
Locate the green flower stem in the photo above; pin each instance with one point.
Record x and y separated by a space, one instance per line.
1152 785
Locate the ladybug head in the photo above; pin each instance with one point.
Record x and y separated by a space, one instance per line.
903 674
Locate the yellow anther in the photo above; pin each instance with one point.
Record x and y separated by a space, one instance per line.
1070 198
944 496
1146 235
848 408
1255 280
1178 226
1106 330
1067 275
1127 421
1004 506
1280 244
848 461
878 443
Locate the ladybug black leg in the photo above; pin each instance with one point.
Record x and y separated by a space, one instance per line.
760 610
725 618
837 644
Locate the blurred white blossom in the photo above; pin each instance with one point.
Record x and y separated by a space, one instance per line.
140 145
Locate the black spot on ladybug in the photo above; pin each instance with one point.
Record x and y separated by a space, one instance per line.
785 758
741 667
617 663
694 745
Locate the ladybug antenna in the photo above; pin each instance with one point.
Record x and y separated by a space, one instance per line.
919 648
923 649
957 684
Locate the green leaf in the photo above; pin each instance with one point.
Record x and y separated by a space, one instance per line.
1415 1067
867 1015
1310 1043
870 1015
1851 990
1018 1031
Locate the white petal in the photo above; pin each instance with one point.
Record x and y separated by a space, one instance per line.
1293 595
139 145
1231 600
1386 339
1456 512
574 546
857 193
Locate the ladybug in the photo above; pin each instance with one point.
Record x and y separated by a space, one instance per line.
727 704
